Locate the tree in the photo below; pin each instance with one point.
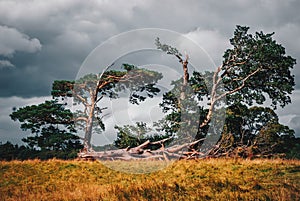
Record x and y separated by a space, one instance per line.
180 104
293 148
8 151
254 69
256 129
274 138
53 127
245 123
89 90
131 136
256 66
36 117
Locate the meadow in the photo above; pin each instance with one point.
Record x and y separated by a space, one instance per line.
207 179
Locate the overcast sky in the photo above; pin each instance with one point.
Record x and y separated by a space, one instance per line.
42 41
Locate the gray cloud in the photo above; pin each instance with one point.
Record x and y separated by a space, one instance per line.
295 124
290 114
211 41
5 64
286 35
11 40
69 30
43 41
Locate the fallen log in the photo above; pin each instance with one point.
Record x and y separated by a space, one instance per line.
142 153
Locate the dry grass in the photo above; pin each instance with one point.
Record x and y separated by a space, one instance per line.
211 179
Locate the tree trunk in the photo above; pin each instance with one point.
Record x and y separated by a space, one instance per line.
185 122
89 127
185 79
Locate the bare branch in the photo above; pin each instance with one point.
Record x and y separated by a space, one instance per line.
81 119
161 141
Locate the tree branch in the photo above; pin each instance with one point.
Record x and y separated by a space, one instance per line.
241 86
81 119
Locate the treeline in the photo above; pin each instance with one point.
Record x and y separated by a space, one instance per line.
288 148
10 152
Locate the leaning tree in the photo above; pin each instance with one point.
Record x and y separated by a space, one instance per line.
255 69
89 90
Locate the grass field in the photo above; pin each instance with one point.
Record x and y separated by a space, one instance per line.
210 179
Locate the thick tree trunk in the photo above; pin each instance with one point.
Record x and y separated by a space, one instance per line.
90 121
88 133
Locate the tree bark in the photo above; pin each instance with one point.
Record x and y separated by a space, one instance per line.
90 120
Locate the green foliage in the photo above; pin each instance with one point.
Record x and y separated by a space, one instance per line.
35 117
8 151
110 83
275 138
244 122
201 84
132 136
258 127
62 88
166 48
261 56
183 116
15 152
128 67
293 147
52 138
53 127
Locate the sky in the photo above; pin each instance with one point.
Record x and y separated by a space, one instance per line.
42 41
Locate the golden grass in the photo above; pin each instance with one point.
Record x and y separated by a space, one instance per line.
210 179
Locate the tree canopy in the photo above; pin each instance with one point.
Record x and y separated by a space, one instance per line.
89 90
53 126
257 66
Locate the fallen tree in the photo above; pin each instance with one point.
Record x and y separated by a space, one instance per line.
184 151
142 152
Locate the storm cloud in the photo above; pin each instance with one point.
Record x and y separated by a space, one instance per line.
43 41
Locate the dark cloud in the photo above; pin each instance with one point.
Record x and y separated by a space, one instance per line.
12 40
5 64
68 30
42 41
